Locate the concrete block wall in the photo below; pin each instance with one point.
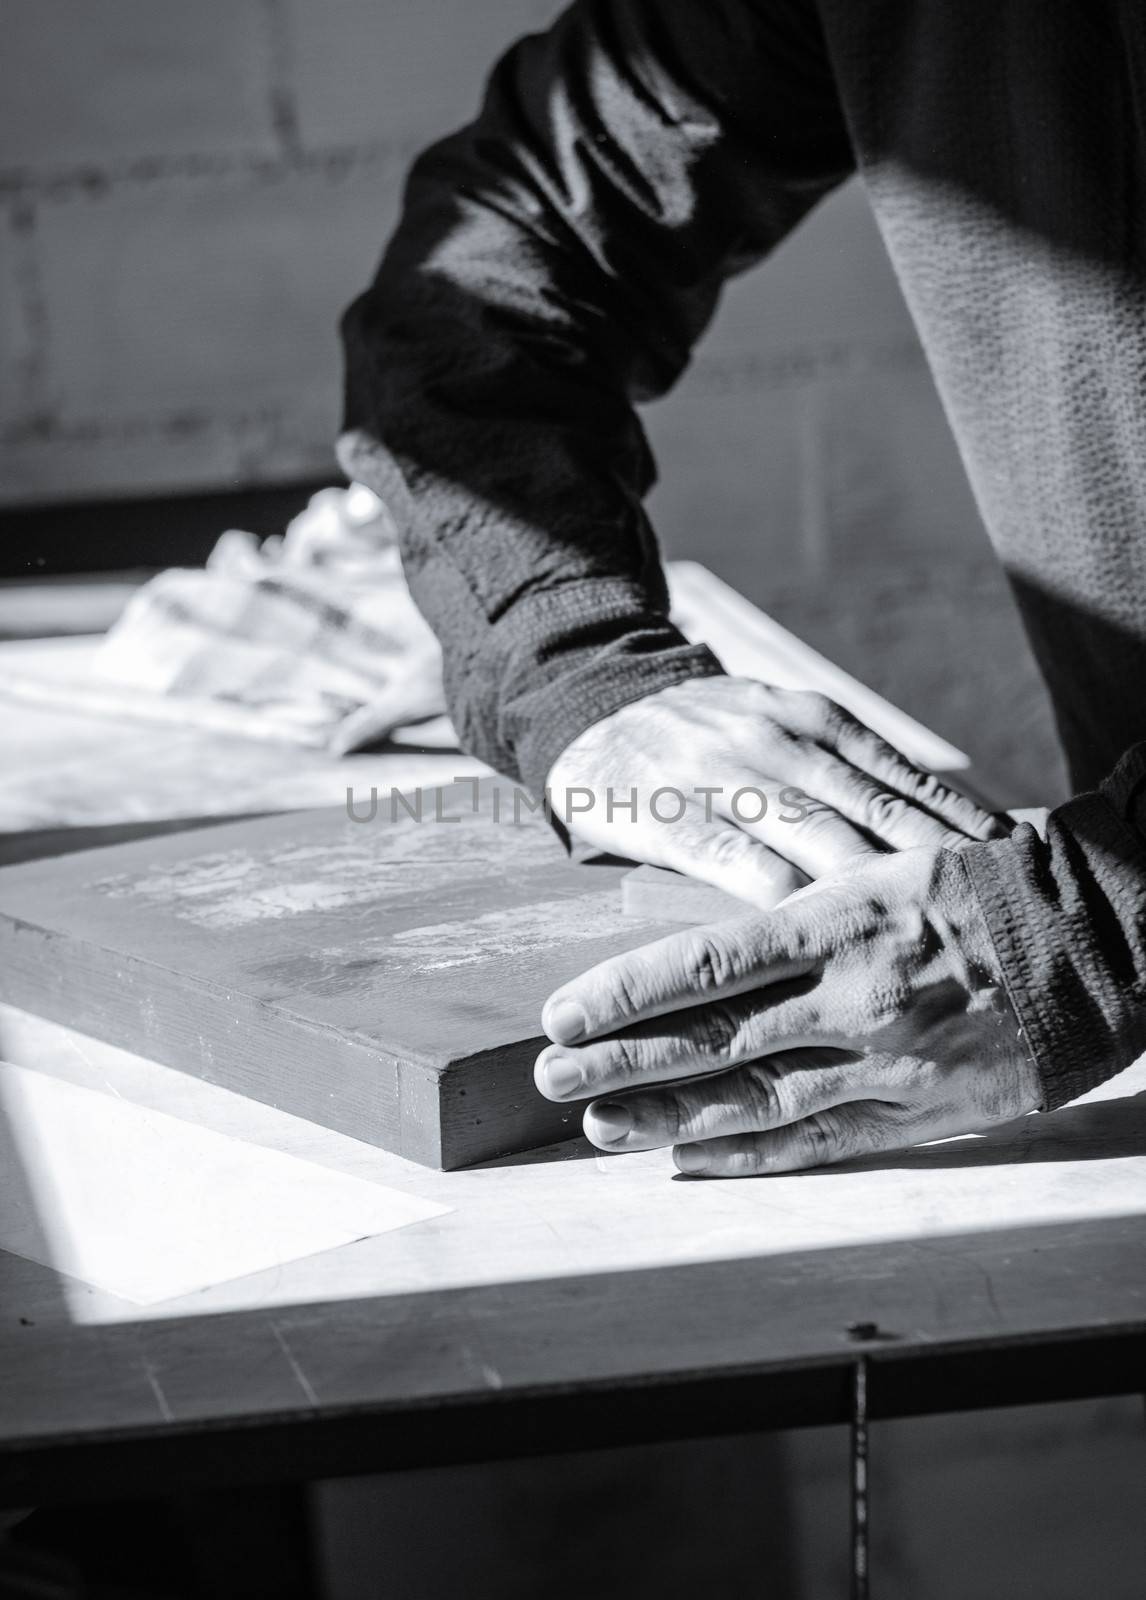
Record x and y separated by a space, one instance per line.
190 194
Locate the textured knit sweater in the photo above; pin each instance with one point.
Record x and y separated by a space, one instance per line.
556 262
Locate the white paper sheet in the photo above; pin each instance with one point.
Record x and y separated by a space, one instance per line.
149 1207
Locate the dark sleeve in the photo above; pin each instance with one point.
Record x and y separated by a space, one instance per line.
555 262
1068 919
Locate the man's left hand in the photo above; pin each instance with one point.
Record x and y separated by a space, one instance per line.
865 1013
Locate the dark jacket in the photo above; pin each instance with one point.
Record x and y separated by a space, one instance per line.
557 260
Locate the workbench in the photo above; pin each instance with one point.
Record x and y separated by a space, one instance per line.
565 1299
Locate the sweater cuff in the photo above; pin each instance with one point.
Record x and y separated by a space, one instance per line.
578 653
1067 916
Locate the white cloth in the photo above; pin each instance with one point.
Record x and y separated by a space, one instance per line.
314 633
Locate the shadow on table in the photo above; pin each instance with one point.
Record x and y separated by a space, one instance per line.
1105 1131
27 1232
578 1149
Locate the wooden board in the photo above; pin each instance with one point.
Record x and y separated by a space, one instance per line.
666 896
80 781
384 978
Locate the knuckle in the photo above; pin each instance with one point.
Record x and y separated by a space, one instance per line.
741 1157
827 717
931 791
725 849
768 1100
623 997
823 1140
709 963
717 1032
760 696
627 1057
813 703
883 812
924 787
673 1118
819 820
782 742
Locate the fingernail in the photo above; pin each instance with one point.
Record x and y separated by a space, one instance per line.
562 1075
564 1022
612 1120
691 1158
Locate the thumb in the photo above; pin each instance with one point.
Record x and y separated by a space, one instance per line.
412 698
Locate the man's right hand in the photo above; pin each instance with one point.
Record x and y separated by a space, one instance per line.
777 787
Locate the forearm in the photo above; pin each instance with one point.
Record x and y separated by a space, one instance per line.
1068 918
555 263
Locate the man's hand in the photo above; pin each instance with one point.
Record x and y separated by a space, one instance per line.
796 788
864 1014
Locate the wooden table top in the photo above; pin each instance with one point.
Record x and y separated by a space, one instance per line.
565 1298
